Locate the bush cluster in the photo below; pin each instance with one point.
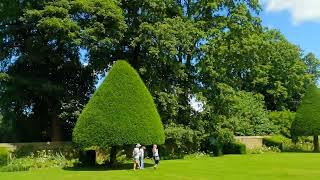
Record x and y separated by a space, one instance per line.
274 141
282 121
38 160
223 142
180 141
264 149
28 150
298 147
4 156
234 148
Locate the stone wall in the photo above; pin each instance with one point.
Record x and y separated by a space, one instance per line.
251 142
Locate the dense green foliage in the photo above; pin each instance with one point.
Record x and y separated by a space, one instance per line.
39 160
313 66
243 113
273 141
307 121
284 166
120 112
40 52
257 62
282 121
234 148
180 141
215 54
4 156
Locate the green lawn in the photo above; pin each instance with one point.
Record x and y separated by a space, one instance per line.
282 166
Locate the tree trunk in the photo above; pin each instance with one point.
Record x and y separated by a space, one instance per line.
88 158
113 155
56 129
135 57
316 143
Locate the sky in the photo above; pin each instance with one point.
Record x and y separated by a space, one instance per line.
298 20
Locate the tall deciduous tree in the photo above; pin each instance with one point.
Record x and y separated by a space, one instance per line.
46 44
313 66
256 62
182 49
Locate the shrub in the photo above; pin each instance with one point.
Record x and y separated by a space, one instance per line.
234 148
25 150
120 112
283 121
28 150
298 147
274 141
219 139
41 159
244 113
4 156
264 149
180 141
197 155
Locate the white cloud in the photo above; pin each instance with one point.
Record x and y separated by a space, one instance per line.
300 10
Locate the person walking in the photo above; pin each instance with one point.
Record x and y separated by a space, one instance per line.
136 157
142 149
156 157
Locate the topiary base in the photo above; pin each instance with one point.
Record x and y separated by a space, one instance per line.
88 158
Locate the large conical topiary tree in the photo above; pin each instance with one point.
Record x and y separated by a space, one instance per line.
307 120
120 112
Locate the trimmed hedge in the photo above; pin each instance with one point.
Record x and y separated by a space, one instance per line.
120 112
274 141
4 156
234 148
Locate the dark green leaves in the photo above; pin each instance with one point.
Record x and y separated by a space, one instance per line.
307 121
120 112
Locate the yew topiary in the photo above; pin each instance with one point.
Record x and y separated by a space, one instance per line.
307 120
120 112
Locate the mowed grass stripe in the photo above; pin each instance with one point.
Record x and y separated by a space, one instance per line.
282 166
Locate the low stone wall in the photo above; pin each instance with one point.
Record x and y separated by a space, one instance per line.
251 142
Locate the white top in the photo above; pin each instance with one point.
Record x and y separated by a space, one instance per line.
142 153
155 152
136 153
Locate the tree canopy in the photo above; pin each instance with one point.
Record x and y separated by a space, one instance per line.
120 112
216 53
41 54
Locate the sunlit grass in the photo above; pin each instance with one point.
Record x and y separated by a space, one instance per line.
293 166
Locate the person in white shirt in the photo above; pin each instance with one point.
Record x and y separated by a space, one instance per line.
156 157
136 157
142 149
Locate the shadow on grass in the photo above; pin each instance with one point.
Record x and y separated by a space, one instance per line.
125 166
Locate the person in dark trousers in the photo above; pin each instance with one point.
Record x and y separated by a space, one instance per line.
156 157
